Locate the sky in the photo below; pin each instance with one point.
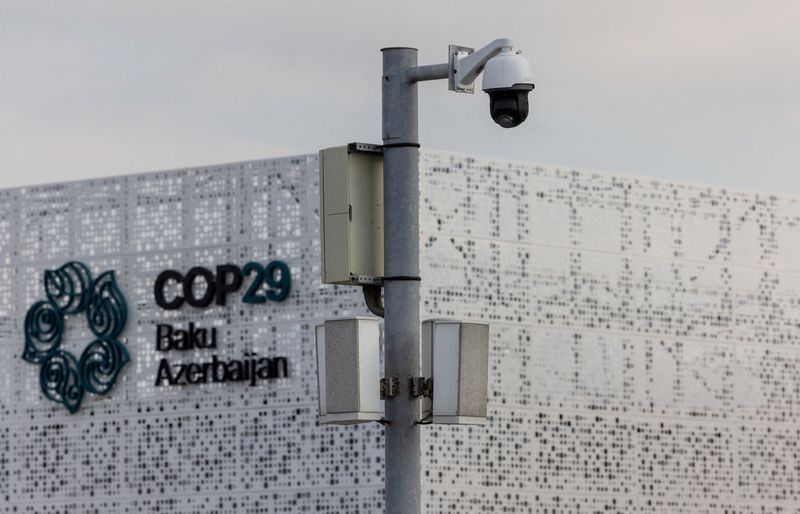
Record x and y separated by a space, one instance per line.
702 91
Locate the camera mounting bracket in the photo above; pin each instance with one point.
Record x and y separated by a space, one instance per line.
467 63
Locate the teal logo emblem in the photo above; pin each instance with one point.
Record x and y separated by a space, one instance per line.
70 291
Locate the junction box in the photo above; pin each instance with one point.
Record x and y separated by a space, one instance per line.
351 214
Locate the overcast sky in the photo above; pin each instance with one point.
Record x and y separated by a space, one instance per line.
702 90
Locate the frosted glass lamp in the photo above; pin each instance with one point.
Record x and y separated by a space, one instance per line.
348 370
460 369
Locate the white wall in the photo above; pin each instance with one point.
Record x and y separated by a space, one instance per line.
644 346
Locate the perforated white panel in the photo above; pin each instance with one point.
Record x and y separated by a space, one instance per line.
645 346
209 448
645 341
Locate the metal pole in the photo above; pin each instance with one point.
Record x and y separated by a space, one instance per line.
401 259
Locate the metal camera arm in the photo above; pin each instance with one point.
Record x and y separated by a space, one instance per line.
463 67
466 64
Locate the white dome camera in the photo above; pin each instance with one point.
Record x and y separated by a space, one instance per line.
507 79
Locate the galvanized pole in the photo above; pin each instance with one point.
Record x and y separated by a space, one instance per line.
401 261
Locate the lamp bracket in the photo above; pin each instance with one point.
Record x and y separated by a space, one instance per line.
390 387
420 387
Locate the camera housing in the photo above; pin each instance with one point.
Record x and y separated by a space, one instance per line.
508 79
509 106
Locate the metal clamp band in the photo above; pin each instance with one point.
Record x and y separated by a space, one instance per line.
400 145
398 278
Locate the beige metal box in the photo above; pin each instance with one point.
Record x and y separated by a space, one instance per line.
351 213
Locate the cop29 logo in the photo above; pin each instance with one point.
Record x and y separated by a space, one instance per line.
71 290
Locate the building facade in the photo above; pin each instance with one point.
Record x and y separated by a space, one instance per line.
645 345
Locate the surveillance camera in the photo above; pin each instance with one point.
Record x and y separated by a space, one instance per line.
508 78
